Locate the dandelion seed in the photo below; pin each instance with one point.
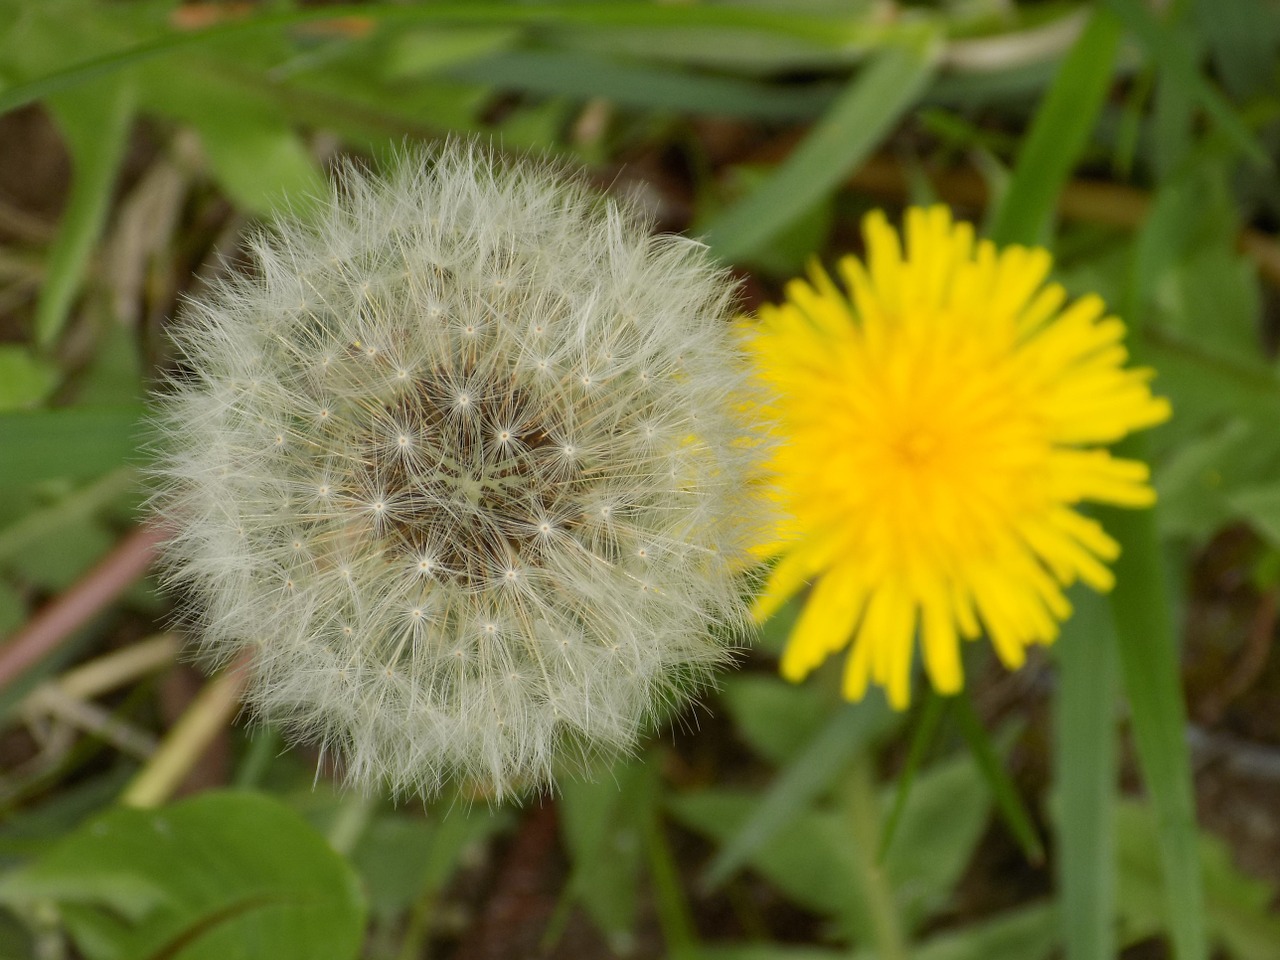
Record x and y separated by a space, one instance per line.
939 423
464 507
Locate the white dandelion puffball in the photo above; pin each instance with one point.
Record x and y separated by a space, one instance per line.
462 463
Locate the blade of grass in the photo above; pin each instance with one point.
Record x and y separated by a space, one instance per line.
851 729
1241 36
1173 118
1059 134
1149 668
819 30
934 707
583 76
856 123
1141 608
1008 801
674 916
95 122
1170 50
1085 775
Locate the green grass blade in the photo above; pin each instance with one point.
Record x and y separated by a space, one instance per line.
934 707
641 13
674 916
1085 776
1141 608
1008 801
869 107
1172 54
1241 36
584 76
1059 134
95 123
849 731
1149 667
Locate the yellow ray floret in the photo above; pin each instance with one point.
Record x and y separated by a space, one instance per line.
940 419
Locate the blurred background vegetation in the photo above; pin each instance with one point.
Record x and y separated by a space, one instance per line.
1119 795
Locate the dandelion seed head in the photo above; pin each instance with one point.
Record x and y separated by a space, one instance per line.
412 457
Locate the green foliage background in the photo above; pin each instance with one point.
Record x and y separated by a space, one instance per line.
1139 144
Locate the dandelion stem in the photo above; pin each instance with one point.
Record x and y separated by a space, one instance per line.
863 808
182 748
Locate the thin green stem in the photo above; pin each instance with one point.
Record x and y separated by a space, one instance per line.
673 909
863 806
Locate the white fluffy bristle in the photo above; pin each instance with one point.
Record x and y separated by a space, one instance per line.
462 462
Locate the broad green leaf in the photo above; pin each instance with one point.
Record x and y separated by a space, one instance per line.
1217 478
458 831
942 821
791 249
1213 281
802 781
1085 772
1260 507
1025 934
1239 915
811 856
403 857
855 124
54 563
32 830
1059 134
603 824
1206 389
222 876
74 443
114 373
25 380
776 718
392 856
255 154
96 122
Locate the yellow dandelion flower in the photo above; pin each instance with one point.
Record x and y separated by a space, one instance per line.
939 424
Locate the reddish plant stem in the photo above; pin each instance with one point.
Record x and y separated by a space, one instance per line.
51 627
